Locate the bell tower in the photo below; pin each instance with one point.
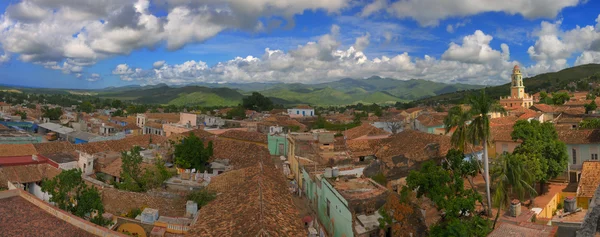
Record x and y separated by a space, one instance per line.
517 90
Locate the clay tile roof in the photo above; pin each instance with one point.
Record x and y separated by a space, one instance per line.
412 110
124 144
54 147
412 145
17 150
575 110
258 204
507 120
528 115
231 179
583 136
4 103
577 102
501 133
363 147
590 179
129 126
154 125
201 133
27 173
22 218
543 108
569 119
240 154
524 229
430 120
114 168
364 129
245 136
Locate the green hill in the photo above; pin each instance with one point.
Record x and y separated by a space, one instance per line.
579 76
188 95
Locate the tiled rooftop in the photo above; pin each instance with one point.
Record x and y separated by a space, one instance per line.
21 218
430 120
258 205
579 136
353 188
590 179
506 120
240 154
543 108
412 144
246 136
524 229
17 150
501 133
364 129
27 173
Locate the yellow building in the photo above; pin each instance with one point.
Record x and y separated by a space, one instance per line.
517 97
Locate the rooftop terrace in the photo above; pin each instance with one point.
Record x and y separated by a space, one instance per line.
353 188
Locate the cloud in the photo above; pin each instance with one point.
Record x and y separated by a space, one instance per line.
84 32
362 42
93 77
475 48
326 60
158 64
122 69
451 28
4 57
554 46
430 12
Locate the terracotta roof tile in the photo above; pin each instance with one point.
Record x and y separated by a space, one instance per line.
543 108
154 125
246 136
22 218
165 117
502 132
412 110
54 147
240 154
590 179
582 136
529 114
412 144
506 120
258 205
17 150
524 230
201 133
27 173
430 120
364 129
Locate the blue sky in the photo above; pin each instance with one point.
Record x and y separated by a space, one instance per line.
95 44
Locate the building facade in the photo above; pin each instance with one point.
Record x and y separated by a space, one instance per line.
517 97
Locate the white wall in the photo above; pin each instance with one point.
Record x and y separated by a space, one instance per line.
68 165
36 190
307 112
86 163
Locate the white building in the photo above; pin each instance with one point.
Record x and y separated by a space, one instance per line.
86 163
301 111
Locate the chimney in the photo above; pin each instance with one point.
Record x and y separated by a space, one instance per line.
515 208
34 157
570 204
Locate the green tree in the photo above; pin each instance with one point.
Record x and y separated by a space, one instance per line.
237 113
479 131
118 113
511 177
546 156
53 114
118 104
590 124
459 118
257 102
70 193
23 114
191 153
202 197
590 107
445 188
559 98
86 106
132 176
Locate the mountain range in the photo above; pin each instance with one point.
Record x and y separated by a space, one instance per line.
342 92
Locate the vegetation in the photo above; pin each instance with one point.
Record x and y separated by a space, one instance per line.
237 113
590 123
257 102
558 98
137 179
202 197
445 188
70 193
398 214
379 178
53 114
191 153
23 114
473 127
590 107
511 177
323 123
545 156
86 106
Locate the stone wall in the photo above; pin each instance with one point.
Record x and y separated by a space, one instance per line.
118 202
589 227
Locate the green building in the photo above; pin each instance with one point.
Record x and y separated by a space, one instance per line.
278 145
345 205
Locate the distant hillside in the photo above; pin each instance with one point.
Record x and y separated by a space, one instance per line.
550 82
342 92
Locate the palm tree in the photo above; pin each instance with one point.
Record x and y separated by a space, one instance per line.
511 177
459 118
479 131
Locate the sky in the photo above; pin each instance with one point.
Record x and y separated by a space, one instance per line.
101 43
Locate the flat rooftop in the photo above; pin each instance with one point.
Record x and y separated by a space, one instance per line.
356 188
62 157
21 218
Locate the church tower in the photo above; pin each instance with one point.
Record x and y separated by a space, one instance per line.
517 90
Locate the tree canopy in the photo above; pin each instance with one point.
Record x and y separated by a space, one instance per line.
138 179
545 155
53 114
445 188
592 106
191 153
590 123
70 193
257 102
86 106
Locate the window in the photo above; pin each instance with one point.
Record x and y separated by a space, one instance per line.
574 152
574 126
328 208
297 111
594 156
